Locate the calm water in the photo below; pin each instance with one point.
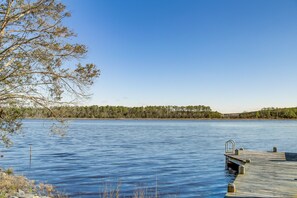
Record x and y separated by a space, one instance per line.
179 158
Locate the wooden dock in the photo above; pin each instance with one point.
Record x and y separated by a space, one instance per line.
262 174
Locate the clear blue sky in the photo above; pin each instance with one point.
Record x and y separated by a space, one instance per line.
231 55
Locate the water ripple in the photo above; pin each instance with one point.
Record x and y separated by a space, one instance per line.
178 158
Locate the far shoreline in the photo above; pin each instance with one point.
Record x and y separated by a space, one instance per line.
166 119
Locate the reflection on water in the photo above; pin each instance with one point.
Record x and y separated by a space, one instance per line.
178 158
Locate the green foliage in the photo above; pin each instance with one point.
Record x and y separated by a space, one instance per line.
271 113
9 171
157 112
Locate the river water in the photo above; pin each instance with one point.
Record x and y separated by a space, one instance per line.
171 158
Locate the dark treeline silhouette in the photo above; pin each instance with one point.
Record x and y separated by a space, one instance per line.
267 113
158 112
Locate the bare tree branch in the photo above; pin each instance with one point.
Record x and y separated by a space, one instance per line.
34 49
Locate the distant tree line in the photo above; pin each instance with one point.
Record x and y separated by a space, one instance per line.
267 113
153 112
158 112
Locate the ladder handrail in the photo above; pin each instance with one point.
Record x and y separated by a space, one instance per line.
230 146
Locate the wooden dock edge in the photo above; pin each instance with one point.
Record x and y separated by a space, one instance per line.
253 174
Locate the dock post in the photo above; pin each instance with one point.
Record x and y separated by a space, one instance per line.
226 163
30 155
241 169
236 152
231 188
274 149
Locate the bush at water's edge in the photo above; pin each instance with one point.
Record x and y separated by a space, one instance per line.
19 186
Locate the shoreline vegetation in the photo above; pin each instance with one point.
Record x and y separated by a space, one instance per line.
18 186
199 112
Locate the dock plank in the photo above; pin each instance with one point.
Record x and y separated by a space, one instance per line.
270 174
